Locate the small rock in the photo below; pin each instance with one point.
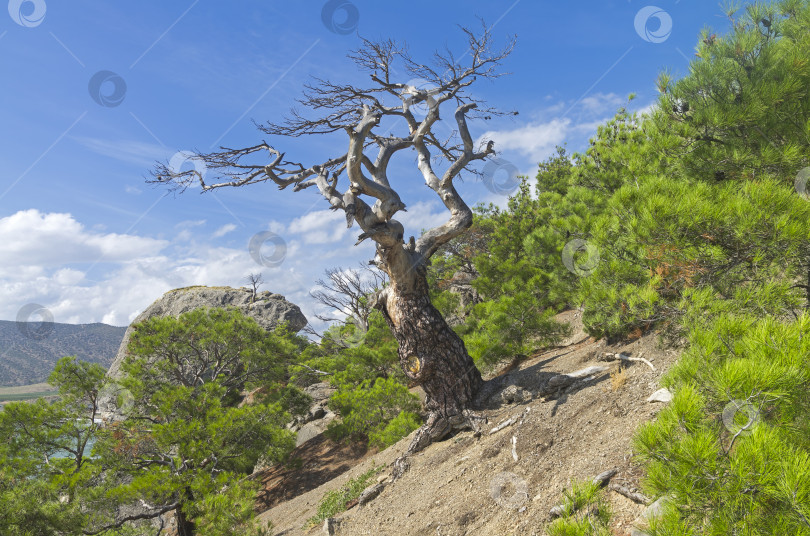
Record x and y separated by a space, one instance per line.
661 395
512 394
382 478
370 493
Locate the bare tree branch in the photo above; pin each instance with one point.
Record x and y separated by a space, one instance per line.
348 292
367 197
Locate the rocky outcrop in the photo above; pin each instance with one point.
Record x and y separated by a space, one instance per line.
269 310
317 419
461 285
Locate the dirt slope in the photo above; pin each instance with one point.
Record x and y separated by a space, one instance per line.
473 486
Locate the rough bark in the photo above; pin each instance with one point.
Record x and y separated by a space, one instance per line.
185 526
433 356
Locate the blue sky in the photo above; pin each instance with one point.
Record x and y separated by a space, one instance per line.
83 235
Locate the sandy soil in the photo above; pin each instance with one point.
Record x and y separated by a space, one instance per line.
473 486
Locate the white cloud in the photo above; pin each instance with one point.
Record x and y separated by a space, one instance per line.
600 103
422 215
31 238
320 226
277 227
68 276
535 140
556 123
225 229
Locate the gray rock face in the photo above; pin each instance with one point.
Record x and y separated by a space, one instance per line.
320 392
461 285
313 428
269 310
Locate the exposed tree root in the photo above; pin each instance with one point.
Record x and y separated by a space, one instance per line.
437 428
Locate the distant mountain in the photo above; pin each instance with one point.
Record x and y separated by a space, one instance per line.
29 351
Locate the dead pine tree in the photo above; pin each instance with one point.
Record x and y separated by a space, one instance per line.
348 291
390 115
255 281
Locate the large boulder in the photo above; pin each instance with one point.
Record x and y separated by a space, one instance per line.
269 310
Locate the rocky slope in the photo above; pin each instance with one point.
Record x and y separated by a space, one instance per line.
557 427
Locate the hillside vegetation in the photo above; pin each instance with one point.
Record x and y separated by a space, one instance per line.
26 360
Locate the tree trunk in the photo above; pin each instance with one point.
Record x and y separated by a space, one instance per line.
433 356
185 526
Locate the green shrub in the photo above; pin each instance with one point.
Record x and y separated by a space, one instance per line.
368 409
585 512
722 475
511 326
399 427
335 501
